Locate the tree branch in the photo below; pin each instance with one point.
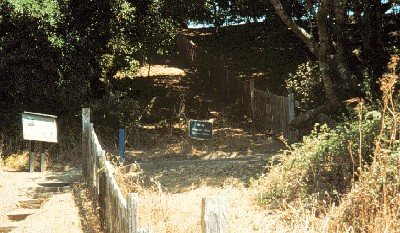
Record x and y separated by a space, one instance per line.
388 5
311 8
306 37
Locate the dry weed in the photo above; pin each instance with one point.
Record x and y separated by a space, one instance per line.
372 204
83 199
159 70
17 162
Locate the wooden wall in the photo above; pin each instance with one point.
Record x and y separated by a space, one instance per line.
272 112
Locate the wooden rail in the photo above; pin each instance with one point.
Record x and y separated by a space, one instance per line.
270 111
117 213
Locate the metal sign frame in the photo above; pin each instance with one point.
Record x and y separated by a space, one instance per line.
38 127
201 130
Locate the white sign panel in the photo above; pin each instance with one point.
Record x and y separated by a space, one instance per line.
39 127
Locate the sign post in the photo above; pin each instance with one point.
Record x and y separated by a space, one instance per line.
31 145
38 127
201 130
121 145
41 156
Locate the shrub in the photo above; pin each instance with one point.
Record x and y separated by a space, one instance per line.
306 84
344 179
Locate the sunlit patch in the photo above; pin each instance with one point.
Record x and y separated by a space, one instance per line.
159 70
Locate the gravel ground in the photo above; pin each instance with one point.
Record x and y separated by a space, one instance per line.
59 212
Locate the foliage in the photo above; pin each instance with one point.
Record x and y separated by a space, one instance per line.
351 47
123 107
306 84
59 55
325 162
346 177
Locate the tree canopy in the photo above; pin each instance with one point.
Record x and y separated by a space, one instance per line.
71 48
59 54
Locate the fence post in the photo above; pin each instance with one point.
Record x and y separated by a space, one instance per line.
121 145
42 157
85 122
214 215
291 106
228 94
31 145
90 150
132 206
292 116
252 96
102 187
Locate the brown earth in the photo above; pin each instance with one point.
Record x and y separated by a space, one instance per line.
173 172
43 202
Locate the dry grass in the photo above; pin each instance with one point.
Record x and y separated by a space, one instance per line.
370 204
170 194
17 162
90 217
228 142
159 70
180 212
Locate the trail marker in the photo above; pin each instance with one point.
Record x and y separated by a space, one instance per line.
38 127
121 145
201 130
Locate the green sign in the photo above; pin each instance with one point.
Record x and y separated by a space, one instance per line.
200 130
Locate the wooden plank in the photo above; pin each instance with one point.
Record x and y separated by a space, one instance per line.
20 214
6 229
252 100
292 116
214 215
30 204
31 156
144 230
102 191
85 122
42 157
132 201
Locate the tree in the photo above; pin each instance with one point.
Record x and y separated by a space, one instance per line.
29 59
59 54
331 34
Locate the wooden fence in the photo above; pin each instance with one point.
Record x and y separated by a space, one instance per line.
117 213
270 111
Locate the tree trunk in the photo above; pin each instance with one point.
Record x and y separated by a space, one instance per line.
321 50
373 48
322 18
340 58
216 17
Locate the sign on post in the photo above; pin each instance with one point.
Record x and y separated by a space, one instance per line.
121 145
200 130
38 127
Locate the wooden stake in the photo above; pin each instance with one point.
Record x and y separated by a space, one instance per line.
42 157
214 215
31 144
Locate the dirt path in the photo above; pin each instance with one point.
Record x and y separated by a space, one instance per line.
39 202
176 171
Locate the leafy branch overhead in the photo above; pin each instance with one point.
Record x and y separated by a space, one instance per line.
71 48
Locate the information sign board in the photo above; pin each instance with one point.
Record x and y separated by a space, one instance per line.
39 127
200 130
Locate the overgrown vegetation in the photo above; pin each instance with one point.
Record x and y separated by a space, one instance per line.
344 179
306 85
59 56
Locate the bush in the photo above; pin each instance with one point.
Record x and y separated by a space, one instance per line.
345 179
306 84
